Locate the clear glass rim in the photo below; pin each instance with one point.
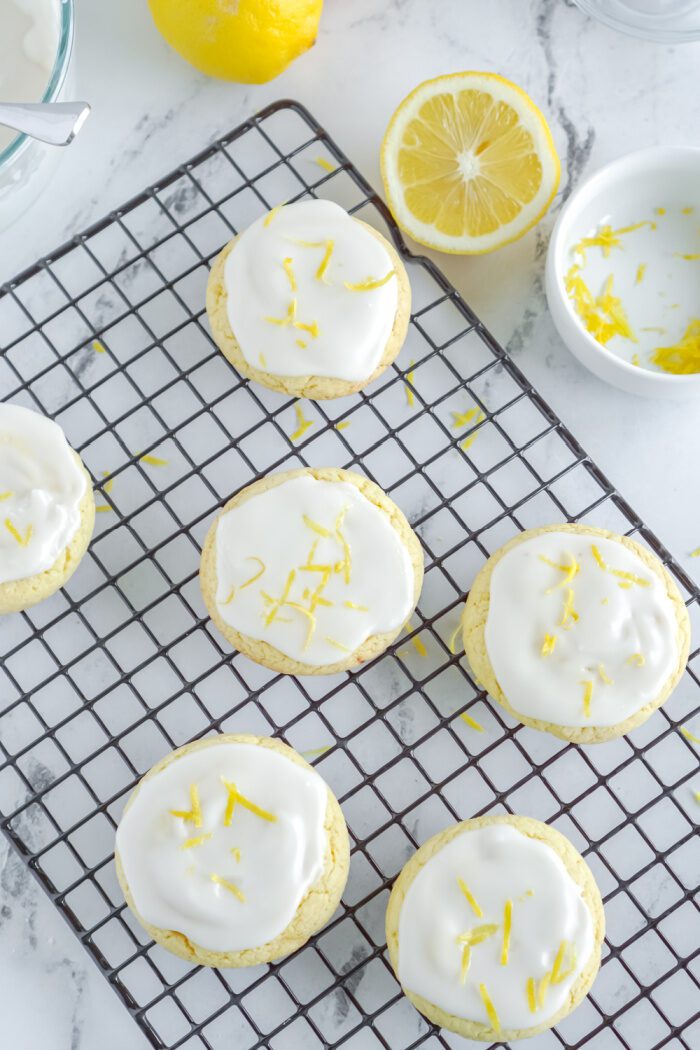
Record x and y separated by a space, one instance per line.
56 80
648 31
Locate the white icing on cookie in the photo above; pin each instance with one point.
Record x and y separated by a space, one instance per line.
232 887
313 568
620 635
41 488
293 266
463 892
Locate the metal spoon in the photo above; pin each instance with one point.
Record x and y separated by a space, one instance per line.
54 122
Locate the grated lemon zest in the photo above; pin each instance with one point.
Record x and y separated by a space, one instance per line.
262 360
490 1008
690 256
599 558
636 658
550 640
690 736
687 211
652 329
108 485
460 419
231 596
343 424
570 572
659 211
542 990
288 266
683 358
453 636
194 814
641 270
258 574
289 319
303 423
557 975
301 343
370 283
312 622
635 360
337 645
312 328
353 605
230 886
314 752
419 646
469 441
315 527
16 534
558 960
695 553
569 613
696 796
470 898
607 238
507 922
236 854
466 963
5 495
153 461
531 998
478 934
625 586
472 722
410 396
603 316
101 508
321 272
587 697
277 605
197 841
347 560
604 676
271 214
98 347
630 577
325 164
234 796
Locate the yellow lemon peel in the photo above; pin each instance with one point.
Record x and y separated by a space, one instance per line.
337 645
312 328
598 557
542 990
466 963
288 266
410 396
639 276
272 214
347 559
194 813
98 347
230 886
490 1008
315 527
587 697
604 676
607 238
570 572
550 640
343 424
358 608
370 283
460 419
603 316
637 659
683 358
323 163
471 722
478 934
236 854
16 534
196 841
303 424
568 613
507 923
531 996
236 798
284 321
476 908
153 461
5 495
690 736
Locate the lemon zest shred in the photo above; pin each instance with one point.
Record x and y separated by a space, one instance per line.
558 960
607 238
604 676
17 535
598 557
569 613
262 359
695 553
258 574
490 1008
337 645
6 495
301 343
321 272
476 908
235 796
288 266
603 316
659 211
550 640
289 319
478 934
689 256
410 396
107 486
570 572
472 722
587 697
277 605
453 637
230 886
323 163
98 347
469 441
312 328
687 211
236 854
466 963
303 423
683 358
690 736
370 284
343 424
102 507
272 213
153 461
630 577
347 560
353 605
531 997
419 646
637 659
196 841
507 923
635 360
460 419
542 990
315 527
641 270
231 596
696 796
194 814
312 622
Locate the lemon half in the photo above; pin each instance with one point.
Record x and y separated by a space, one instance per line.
468 163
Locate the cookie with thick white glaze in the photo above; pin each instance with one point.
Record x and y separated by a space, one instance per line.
494 928
313 571
576 631
47 509
309 301
232 851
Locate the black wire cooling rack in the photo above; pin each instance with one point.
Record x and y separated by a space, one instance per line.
108 336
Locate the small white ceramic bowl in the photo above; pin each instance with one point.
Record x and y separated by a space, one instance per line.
628 190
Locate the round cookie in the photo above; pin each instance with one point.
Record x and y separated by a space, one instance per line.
312 571
309 301
232 851
576 631
494 928
47 509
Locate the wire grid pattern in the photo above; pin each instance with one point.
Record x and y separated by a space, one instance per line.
122 665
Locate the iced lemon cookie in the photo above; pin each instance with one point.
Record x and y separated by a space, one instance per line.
47 510
232 851
576 631
309 301
494 928
311 572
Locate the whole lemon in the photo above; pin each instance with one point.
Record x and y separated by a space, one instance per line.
250 41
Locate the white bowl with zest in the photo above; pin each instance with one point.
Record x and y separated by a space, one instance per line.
623 273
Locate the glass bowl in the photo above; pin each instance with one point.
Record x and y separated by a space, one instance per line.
26 165
665 21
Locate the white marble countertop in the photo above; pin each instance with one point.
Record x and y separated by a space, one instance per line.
604 94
